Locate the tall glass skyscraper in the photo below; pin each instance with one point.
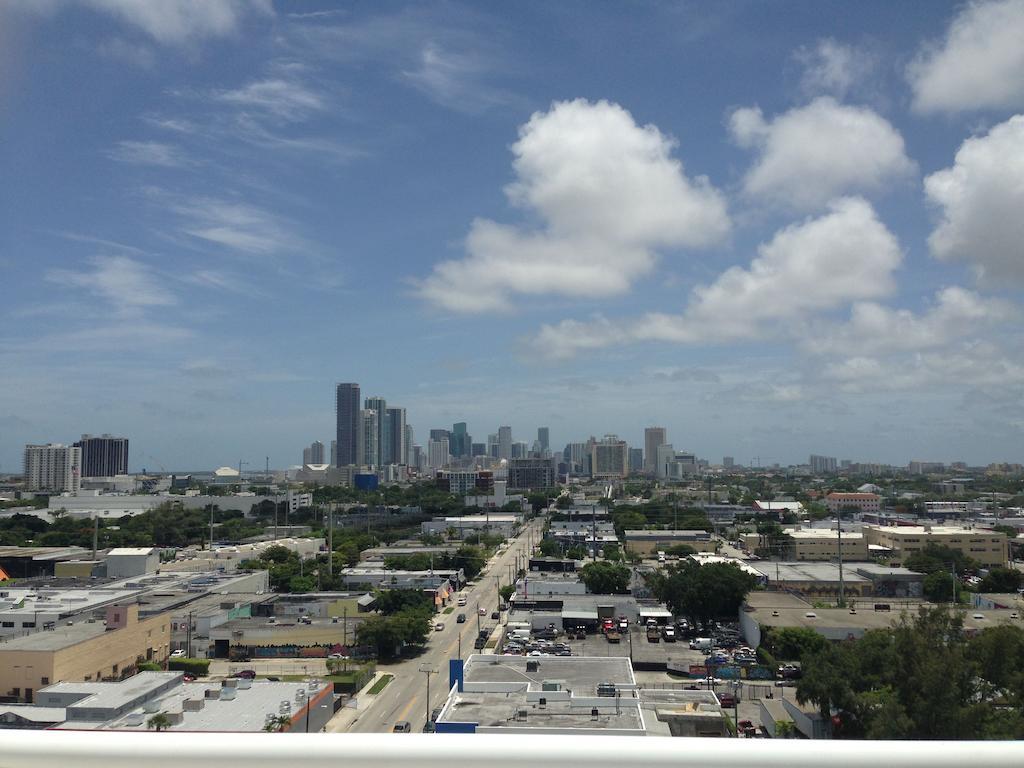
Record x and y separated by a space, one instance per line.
347 411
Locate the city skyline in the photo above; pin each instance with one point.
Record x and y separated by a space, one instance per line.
802 235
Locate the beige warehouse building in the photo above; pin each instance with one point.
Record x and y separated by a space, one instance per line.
817 544
86 650
987 547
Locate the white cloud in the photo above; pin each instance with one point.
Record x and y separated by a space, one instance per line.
149 153
176 22
979 64
811 154
816 266
981 198
239 226
832 67
873 329
455 80
287 99
609 194
128 285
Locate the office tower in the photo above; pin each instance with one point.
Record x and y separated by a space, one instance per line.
316 450
505 443
609 458
544 438
460 441
53 467
479 449
380 407
418 458
520 450
369 432
728 462
576 455
653 437
396 436
103 456
409 458
492 446
437 453
636 460
663 456
440 434
307 456
334 453
348 427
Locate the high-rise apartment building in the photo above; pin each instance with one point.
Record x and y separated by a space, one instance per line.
383 440
544 438
520 450
505 443
409 458
369 433
395 426
53 467
437 453
653 437
348 424
316 451
103 456
609 458
823 464
492 446
664 455
334 453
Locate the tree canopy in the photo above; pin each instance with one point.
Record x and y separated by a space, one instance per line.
605 578
703 592
923 679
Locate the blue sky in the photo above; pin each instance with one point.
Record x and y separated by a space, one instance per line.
773 228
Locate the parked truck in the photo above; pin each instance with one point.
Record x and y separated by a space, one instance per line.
653 634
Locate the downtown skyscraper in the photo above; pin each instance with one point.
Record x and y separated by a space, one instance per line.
653 437
348 424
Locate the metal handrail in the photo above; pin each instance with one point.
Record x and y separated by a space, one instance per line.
174 749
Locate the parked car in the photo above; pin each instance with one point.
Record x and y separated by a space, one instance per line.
480 643
460 619
727 700
439 626
178 654
669 634
495 615
248 674
481 611
402 726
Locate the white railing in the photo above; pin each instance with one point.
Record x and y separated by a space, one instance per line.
84 749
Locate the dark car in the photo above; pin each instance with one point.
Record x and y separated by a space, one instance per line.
460 619
495 615
480 643
248 674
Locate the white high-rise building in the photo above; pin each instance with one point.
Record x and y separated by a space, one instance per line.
653 437
664 455
505 443
437 454
369 431
53 467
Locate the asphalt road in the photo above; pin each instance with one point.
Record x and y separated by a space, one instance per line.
405 697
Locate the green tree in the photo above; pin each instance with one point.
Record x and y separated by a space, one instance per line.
277 723
392 601
470 559
680 550
506 592
938 586
158 722
550 548
1001 580
703 592
605 578
794 643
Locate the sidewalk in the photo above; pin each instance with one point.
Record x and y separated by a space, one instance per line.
344 717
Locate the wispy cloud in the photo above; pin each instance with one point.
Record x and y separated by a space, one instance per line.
456 80
149 153
238 226
126 284
182 22
286 99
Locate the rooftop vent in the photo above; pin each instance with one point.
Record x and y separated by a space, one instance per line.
532 666
521 714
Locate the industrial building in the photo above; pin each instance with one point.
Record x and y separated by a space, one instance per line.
985 546
647 543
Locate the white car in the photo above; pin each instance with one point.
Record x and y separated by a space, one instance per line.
178 654
439 626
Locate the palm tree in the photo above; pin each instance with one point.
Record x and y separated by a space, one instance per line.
159 722
277 724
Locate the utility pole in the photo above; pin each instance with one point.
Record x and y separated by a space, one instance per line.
425 669
95 534
330 541
211 527
839 538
